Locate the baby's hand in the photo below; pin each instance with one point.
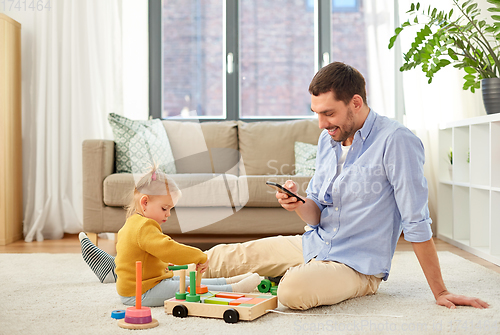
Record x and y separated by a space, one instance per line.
202 267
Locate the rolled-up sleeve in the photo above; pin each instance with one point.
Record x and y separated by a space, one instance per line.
315 199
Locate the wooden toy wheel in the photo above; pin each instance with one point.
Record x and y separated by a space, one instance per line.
180 311
231 316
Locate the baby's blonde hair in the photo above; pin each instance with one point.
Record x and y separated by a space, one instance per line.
151 184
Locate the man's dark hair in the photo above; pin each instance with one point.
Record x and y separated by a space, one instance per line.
344 80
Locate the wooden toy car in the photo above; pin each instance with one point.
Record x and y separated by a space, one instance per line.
231 307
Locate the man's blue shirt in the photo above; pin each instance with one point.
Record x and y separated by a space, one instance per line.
380 192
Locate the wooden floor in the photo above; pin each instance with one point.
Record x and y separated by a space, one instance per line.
71 244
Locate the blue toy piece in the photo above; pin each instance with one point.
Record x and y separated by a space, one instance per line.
118 314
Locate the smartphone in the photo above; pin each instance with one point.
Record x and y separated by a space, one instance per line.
281 188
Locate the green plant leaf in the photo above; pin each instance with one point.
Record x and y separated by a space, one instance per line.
466 3
496 17
392 41
426 30
452 54
471 8
469 69
418 5
444 62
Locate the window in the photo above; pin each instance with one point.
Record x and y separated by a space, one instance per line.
276 58
348 36
191 58
249 59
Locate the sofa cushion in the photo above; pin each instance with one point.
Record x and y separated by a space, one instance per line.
305 159
140 144
209 147
255 193
247 222
198 190
267 148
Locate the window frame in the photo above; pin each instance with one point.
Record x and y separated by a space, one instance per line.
231 81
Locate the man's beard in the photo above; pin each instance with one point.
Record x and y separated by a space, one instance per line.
349 127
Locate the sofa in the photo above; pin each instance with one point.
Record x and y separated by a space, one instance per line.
221 168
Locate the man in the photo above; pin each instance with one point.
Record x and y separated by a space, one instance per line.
368 186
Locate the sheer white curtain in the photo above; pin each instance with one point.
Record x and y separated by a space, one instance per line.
379 23
71 81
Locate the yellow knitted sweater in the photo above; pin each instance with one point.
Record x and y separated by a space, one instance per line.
141 239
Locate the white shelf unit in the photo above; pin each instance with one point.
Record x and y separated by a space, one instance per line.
469 189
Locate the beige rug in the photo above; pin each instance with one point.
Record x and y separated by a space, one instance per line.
58 294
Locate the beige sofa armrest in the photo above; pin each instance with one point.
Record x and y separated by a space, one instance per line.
98 160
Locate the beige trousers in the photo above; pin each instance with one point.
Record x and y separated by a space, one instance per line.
303 286
269 257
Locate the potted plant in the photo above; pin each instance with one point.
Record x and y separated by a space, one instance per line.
463 39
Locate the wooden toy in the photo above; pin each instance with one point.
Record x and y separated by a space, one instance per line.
138 317
200 289
264 286
229 306
192 296
269 285
247 308
181 295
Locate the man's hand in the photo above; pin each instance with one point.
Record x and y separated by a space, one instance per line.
287 202
428 258
452 300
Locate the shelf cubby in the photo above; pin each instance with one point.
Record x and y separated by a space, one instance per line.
479 154
479 218
495 224
495 154
445 214
461 214
445 145
461 154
